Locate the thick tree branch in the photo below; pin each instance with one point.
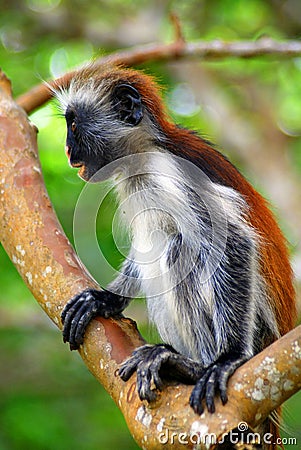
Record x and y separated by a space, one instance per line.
216 50
37 245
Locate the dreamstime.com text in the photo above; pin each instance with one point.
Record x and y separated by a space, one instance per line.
233 437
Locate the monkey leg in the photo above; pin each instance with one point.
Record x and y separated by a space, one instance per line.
82 308
212 381
152 362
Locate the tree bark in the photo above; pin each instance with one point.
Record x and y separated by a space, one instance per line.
37 245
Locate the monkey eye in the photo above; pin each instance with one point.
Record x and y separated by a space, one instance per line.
73 126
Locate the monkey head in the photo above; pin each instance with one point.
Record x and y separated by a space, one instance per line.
107 117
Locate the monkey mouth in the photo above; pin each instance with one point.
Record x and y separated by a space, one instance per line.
76 164
84 172
73 162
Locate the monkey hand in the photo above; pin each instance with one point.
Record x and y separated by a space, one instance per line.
214 379
155 361
82 308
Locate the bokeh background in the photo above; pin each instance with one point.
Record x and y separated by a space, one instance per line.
250 108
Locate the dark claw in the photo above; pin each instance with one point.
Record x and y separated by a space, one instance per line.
144 379
198 393
210 391
222 385
154 361
129 366
82 308
70 322
213 380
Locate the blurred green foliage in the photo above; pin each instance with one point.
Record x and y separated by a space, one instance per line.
48 400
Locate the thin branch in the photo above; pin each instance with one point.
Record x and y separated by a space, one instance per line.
178 31
37 245
214 50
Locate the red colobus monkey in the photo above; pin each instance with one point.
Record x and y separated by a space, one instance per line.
210 324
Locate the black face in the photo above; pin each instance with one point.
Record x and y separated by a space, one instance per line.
76 145
92 135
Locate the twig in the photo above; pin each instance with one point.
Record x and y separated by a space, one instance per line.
179 35
215 50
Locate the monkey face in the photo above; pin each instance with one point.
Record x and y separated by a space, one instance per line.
78 143
97 129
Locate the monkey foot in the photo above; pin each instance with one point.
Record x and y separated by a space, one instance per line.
152 362
82 308
212 381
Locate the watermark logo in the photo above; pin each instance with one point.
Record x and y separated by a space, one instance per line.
175 216
199 435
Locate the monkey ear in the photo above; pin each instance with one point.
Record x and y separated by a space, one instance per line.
128 103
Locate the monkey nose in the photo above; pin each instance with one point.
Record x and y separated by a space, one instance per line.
68 150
